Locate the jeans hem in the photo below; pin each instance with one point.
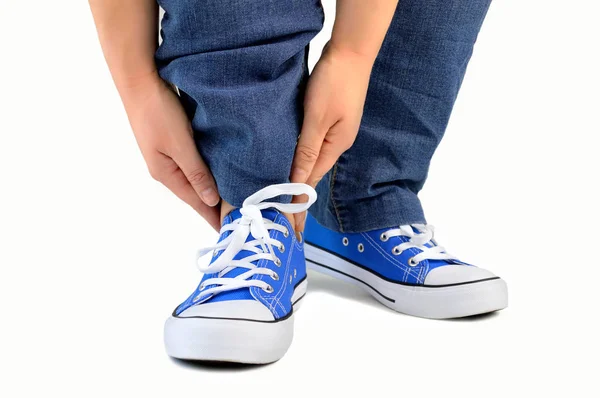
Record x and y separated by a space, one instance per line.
392 208
235 197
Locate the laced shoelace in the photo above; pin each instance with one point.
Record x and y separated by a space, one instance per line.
251 223
423 240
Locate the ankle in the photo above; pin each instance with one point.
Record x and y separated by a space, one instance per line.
227 208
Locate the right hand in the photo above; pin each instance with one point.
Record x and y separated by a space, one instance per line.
165 137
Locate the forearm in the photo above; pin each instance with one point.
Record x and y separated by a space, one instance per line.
128 33
360 26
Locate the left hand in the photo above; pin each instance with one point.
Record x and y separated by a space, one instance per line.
333 107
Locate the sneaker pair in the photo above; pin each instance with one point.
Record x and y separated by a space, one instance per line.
243 309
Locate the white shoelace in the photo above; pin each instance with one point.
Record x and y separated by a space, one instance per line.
251 222
417 241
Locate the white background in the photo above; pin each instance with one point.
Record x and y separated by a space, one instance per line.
95 255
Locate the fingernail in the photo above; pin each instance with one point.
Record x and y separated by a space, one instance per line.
210 197
299 175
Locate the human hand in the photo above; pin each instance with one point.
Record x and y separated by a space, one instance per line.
333 108
165 137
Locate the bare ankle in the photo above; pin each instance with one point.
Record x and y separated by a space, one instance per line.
226 208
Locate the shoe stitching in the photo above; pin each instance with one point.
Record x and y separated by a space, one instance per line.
274 301
287 270
387 257
255 292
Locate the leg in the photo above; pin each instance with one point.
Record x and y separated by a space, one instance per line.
374 186
413 87
240 66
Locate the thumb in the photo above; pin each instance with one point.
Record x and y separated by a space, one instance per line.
339 139
307 150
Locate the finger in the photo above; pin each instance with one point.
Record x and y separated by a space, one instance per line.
309 145
330 152
196 171
299 222
299 218
325 162
180 186
172 177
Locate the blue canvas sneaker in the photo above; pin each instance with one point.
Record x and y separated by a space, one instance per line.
243 309
406 270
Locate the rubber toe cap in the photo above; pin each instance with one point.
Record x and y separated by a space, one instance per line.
235 309
456 273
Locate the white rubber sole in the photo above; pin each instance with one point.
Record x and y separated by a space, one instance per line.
231 340
450 301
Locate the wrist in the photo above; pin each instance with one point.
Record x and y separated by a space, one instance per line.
137 90
350 51
133 85
361 61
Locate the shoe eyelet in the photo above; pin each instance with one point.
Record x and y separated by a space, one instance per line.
282 248
269 289
294 272
412 262
286 233
201 286
396 251
277 261
361 247
290 279
275 276
384 237
345 241
195 299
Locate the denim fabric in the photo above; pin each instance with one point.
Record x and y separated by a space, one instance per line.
241 67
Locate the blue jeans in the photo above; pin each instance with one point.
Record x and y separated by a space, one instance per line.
240 66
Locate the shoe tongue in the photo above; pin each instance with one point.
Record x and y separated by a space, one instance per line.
269 214
432 263
240 294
